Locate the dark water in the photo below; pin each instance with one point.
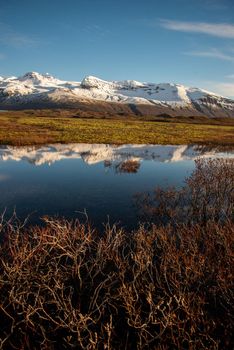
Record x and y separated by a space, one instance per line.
64 180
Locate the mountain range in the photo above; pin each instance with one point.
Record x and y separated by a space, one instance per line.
38 91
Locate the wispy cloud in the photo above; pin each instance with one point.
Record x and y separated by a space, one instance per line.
10 37
230 76
212 53
225 89
94 31
221 88
222 30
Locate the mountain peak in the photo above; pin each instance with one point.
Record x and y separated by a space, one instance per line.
90 82
31 75
36 77
131 84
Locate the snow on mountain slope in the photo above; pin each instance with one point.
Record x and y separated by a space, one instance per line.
131 90
34 90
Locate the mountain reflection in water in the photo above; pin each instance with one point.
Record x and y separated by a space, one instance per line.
96 153
102 179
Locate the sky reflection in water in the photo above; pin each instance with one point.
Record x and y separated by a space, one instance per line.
63 180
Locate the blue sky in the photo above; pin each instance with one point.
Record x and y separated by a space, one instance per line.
184 41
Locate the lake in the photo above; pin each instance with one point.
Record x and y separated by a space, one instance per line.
102 180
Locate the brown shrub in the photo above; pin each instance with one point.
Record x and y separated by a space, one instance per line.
208 194
65 286
128 166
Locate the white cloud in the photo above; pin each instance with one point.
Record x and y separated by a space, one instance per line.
222 30
212 53
221 88
230 76
225 89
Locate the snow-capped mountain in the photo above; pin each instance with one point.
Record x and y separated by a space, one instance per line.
34 90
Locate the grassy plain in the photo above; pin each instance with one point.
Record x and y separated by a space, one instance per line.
31 128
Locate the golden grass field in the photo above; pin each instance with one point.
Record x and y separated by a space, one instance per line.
28 128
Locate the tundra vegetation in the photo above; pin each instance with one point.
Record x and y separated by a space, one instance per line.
166 285
43 127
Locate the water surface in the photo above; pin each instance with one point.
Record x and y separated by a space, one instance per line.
65 180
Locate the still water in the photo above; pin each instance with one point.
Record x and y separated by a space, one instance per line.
66 180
